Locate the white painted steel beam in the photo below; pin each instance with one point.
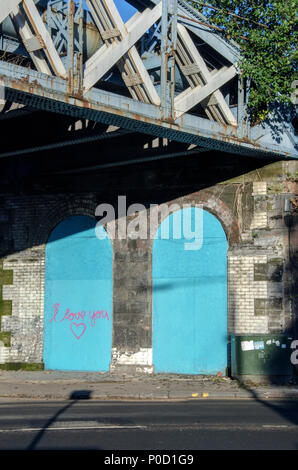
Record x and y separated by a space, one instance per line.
7 7
43 34
108 56
101 106
48 87
23 28
37 39
196 95
133 71
205 75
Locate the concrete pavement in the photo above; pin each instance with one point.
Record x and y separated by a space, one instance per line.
110 386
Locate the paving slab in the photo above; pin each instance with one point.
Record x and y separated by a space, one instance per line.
108 386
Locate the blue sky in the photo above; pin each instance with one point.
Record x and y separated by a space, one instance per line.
125 9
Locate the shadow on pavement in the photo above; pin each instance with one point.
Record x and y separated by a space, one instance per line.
80 395
75 396
287 408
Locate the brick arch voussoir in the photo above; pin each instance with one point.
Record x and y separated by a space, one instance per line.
221 211
216 207
60 213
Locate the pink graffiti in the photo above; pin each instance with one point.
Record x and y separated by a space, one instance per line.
97 314
76 330
55 312
73 316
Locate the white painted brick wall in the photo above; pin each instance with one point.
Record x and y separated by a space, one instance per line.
26 321
141 357
242 292
259 188
260 220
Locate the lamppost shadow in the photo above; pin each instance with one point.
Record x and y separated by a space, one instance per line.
75 396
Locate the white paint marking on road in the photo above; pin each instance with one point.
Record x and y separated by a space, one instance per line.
275 426
74 425
93 425
77 424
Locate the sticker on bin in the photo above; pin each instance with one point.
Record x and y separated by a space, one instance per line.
247 345
258 344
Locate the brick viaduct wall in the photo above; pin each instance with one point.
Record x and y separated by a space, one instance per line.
260 278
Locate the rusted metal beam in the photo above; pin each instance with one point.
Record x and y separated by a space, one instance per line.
63 84
50 93
132 69
168 47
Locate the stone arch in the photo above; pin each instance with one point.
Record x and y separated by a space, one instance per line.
62 209
183 284
78 286
216 207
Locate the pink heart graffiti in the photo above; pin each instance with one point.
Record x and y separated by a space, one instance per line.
74 332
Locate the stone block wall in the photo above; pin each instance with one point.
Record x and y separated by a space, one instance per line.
260 276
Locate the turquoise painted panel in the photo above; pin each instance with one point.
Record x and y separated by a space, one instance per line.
190 297
78 298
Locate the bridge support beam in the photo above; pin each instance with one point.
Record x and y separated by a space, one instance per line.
168 47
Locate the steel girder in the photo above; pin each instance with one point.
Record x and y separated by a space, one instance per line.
151 51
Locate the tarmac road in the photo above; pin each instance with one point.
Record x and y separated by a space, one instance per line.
187 425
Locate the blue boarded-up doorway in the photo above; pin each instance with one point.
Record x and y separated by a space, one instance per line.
190 296
78 297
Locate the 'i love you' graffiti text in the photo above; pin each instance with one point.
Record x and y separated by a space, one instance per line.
78 329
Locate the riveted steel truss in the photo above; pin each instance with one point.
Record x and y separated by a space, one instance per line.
165 72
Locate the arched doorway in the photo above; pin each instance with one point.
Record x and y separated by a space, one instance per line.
78 297
190 296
